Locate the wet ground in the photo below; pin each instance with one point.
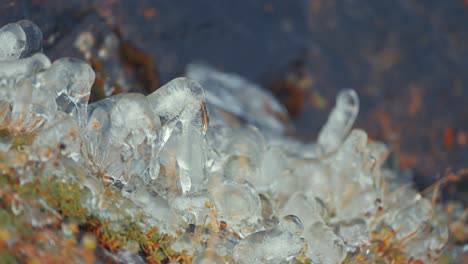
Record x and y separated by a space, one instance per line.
408 60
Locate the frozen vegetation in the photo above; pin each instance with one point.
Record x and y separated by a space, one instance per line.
177 158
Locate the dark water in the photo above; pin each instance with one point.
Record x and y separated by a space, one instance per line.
408 60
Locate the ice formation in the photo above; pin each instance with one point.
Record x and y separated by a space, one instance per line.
277 199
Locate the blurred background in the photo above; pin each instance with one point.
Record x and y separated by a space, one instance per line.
407 59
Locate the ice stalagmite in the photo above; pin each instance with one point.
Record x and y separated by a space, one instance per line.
181 104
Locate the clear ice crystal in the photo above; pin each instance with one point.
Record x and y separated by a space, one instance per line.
23 67
426 245
233 94
340 121
121 132
71 80
13 40
410 219
33 38
182 101
194 204
21 109
305 207
354 232
278 245
237 204
324 245
60 136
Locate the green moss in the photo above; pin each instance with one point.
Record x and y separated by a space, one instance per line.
5 219
21 140
8 258
62 200
305 261
445 258
17 141
4 134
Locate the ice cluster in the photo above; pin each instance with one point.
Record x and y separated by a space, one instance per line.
267 198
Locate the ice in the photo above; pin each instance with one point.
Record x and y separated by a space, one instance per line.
24 105
427 245
21 108
96 134
340 121
306 208
195 204
234 94
324 245
208 257
24 67
60 136
365 203
154 205
238 204
247 142
132 120
314 178
183 101
273 168
248 157
71 80
31 109
269 218
238 191
121 133
239 168
410 219
33 38
354 232
12 42
323 242
277 245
